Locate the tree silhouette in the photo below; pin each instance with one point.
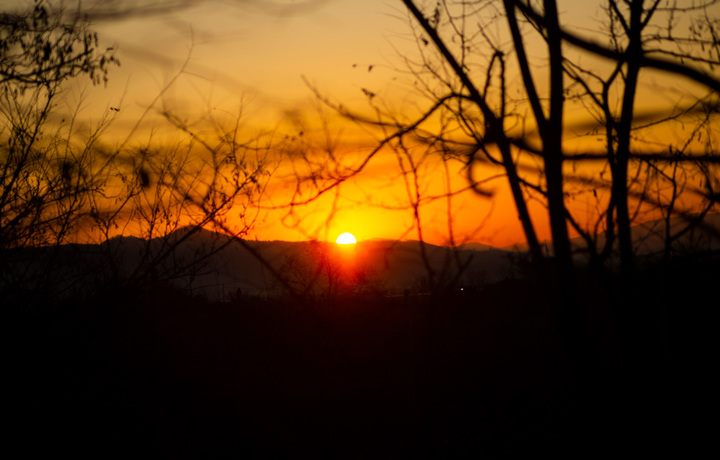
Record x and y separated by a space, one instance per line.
59 179
530 136
45 176
50 166
567 114
641 35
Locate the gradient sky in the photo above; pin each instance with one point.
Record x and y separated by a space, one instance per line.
259 55
245 53
236 50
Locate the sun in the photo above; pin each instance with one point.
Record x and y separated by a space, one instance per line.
346 238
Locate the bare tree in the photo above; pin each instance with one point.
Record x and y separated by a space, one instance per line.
215 179
49 166
45 175
504 81
60 179
639 38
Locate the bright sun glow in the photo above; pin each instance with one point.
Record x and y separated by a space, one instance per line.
346 238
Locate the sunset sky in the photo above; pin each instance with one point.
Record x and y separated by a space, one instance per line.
262 57
222 55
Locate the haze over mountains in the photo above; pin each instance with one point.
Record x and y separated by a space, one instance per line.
219 268
649 237
391 266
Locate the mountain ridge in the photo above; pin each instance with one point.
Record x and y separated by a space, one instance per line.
214 265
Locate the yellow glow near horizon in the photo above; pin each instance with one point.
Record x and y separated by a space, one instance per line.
343 50
346 238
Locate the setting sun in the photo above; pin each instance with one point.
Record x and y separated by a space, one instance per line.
346 238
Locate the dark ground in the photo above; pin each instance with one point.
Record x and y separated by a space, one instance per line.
159 374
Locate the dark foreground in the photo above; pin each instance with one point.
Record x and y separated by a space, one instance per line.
158 374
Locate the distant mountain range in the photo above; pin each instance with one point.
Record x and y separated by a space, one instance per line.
394 266
219 267
649 237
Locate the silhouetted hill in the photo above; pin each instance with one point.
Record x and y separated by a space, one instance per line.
476 247
649 237
219 267
398 266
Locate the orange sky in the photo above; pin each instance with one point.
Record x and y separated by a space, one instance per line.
235 53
